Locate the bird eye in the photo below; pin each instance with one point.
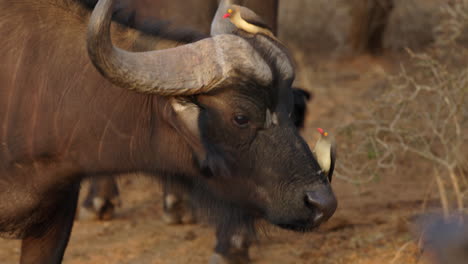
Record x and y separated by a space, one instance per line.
241 120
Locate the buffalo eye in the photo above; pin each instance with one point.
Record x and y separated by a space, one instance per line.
241 120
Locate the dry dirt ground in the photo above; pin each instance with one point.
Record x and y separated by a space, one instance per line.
373 223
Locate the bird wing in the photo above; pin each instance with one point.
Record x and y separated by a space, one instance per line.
251 17
332 161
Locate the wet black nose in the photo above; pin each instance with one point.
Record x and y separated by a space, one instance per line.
323 202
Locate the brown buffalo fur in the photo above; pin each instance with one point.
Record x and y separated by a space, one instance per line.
53 103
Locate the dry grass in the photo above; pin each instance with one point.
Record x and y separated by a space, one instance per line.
453 26
418 118
419 112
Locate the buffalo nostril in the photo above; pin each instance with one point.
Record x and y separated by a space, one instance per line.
323 202
313 203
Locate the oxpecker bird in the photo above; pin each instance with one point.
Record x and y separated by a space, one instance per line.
239 18
325 152
247 20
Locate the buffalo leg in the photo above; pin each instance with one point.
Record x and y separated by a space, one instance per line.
176 206
232 247
49 246
101 200
103 197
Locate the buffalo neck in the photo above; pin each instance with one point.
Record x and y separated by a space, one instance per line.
56 104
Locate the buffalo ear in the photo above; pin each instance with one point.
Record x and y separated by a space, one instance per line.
301 93
186 122
300 106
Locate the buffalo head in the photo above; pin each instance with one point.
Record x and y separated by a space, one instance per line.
231 100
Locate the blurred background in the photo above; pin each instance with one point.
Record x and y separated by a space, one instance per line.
389 80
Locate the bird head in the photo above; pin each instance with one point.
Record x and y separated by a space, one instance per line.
322 132
229 13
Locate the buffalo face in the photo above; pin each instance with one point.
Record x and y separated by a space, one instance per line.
253 155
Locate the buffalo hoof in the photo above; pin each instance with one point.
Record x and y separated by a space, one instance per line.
177 211
100 209
232 249
172 218
217 258
188 217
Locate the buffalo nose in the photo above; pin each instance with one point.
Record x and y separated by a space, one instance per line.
323 202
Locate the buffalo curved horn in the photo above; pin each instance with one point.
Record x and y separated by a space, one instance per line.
185 70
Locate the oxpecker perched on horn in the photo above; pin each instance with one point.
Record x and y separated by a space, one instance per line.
325 152
231 18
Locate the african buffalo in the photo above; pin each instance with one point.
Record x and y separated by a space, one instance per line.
445 238
103 194
212 115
